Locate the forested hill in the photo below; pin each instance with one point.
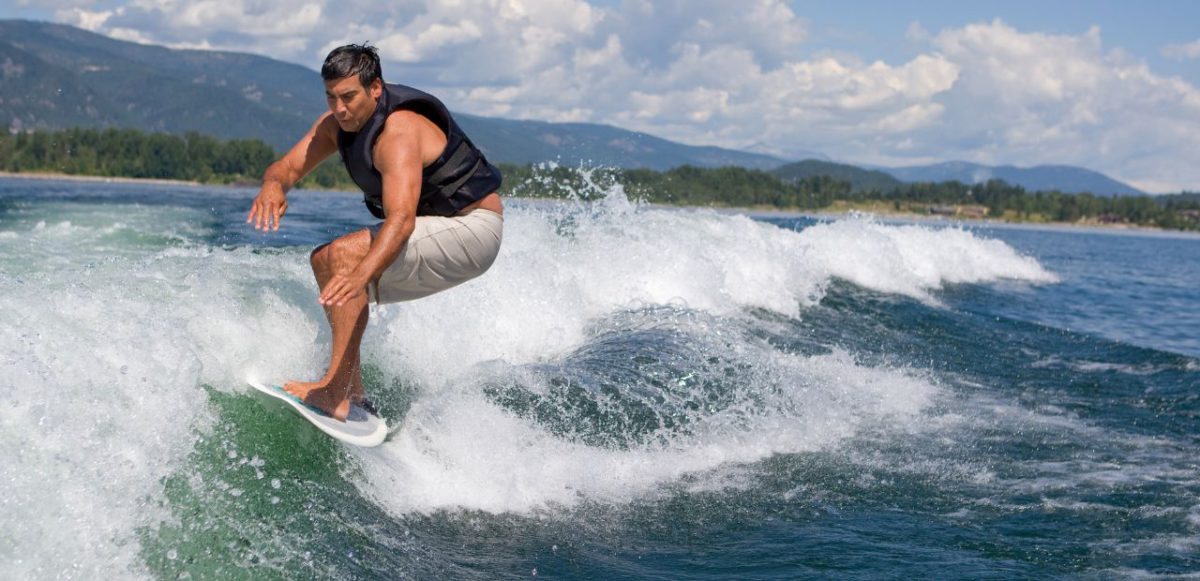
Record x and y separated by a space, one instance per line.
860 180
60 77
1043 177
590 144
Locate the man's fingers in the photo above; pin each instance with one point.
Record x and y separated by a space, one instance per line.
337 291
331 289
266 213
263 219
259 211
343 296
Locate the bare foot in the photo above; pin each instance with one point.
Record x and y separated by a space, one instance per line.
329 399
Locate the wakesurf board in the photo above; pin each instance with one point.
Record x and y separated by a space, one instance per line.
361 428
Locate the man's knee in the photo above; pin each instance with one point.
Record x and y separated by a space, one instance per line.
319 257
342 254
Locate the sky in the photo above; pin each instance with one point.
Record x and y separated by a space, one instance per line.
1110 85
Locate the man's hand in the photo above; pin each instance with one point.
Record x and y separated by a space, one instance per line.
341 288
268 208
271 203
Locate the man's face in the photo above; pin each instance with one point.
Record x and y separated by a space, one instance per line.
350 102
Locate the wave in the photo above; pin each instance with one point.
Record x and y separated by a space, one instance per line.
621 334
112 318
115 319
914 260
565 266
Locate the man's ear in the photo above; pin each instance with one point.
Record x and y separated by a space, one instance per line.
376 88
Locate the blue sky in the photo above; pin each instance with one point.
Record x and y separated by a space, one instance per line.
1112 86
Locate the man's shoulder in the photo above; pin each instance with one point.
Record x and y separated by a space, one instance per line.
409 122
406 129
404 115
326 126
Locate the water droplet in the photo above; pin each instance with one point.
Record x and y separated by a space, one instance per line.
172 554
275 483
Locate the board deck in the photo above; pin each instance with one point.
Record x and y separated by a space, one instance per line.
361 428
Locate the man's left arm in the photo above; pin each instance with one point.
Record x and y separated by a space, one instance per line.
399 161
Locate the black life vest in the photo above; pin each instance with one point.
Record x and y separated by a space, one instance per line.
459 177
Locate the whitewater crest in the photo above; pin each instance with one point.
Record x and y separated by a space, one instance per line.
617 352
564 266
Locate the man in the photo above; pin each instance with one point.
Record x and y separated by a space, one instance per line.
419 173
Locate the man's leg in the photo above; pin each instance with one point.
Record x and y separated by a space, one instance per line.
342 382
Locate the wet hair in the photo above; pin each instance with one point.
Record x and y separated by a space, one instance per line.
353 59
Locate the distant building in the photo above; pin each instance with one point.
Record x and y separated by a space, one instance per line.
973 212
970 212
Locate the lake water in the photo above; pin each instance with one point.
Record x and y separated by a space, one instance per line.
630 392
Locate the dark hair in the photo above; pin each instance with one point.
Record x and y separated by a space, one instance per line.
353 59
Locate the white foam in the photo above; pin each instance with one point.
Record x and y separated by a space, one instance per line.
912 260
459 450
103 346
563 269
1087 366
547 287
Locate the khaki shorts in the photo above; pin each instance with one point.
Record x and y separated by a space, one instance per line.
441 253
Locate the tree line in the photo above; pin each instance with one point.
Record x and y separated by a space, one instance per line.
200 158
746 188
136 154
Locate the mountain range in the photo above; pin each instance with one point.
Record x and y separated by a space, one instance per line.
54 76
1043 177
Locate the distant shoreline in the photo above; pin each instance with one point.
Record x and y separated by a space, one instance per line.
781 212
50 176
912 217
926 219
935 219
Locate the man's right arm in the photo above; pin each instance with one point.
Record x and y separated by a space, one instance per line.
271 203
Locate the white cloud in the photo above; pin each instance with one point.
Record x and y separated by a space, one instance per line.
1028 98
910 118
85 19
1021 67
916 32
732 74
1186 51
